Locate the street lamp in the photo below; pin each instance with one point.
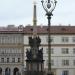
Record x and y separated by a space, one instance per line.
49 6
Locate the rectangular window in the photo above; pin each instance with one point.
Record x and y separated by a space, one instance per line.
73 39
65 72
65 51
2 60
18 59
52 62
74 62
52 50
51 39
65 62
73 50
13 59
65 39
7 60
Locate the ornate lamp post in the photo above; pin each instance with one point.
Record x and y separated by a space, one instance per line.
49 6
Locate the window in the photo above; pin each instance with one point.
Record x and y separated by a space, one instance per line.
52 62
65 51
73 50
51 39
7 60
65 62
13 59
74 62
52 50
73 39
65 39
65 72
18 59
2 60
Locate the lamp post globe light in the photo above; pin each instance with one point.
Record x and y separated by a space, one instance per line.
49 6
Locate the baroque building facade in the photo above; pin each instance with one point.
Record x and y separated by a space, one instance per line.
14 44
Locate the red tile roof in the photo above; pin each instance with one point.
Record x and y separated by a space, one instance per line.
40 30
53 29
10 30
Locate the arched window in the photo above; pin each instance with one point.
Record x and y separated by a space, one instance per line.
7 71
0 71
16 71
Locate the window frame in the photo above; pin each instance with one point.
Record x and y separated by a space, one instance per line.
19 59
73 50
8 60
65 62
74 62
65 39
65 72
2 60
13 59
65 50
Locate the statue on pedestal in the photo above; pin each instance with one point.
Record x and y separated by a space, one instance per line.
32 42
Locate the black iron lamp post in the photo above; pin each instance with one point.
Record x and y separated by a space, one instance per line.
49 6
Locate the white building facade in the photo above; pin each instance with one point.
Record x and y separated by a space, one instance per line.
62 48
14 42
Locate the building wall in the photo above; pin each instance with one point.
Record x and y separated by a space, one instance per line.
59 43
11 52
14 43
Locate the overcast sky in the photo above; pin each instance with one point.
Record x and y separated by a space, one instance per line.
21 12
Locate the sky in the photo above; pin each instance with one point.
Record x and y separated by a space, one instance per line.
20 12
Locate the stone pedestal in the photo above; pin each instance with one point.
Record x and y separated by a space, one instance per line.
50 73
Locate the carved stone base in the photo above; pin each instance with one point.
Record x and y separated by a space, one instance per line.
50 73
35 73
